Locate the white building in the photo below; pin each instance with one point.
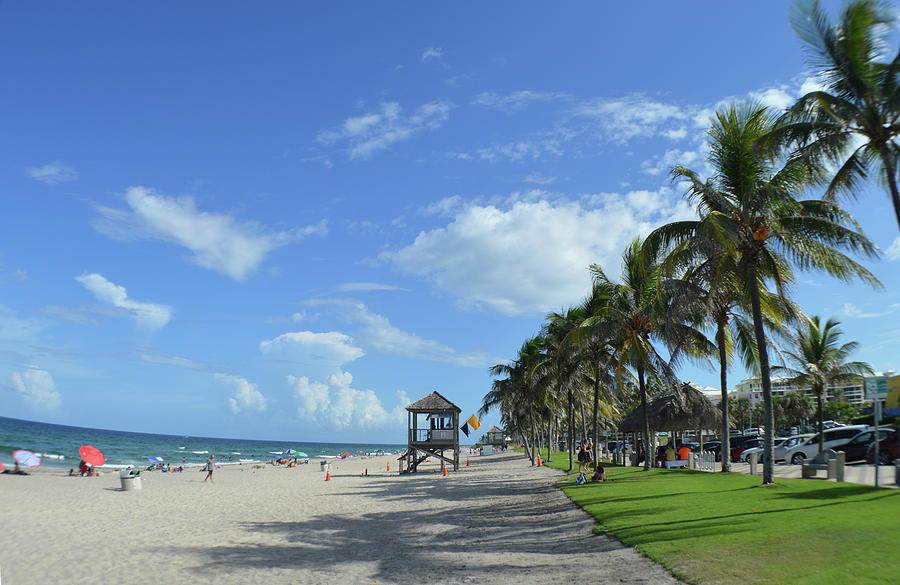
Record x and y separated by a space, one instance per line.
751 388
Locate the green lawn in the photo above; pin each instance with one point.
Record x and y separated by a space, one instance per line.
723 528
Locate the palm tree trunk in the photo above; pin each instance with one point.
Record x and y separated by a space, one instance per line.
596 407
891 173
528 450
583 423
820 414
549 437
571 431
725 446
768 414
534 439
645 431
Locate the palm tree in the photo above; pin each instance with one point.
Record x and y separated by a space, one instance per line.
712 291
517 395
636 313
594 336
741 408
796 406
855 122
820 361
750 206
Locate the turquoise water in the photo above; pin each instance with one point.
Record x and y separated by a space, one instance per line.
123 448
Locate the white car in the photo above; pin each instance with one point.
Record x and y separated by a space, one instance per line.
782 444
834 437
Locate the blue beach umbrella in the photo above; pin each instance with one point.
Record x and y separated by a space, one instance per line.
155 459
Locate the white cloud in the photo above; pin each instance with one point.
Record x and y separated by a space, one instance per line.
776 98
811 84
343 406
893 252
378 335
659 164
150 315
374 131
851 310
539 179
53 173
170 360
432 53
245 395
515 101
623 119
37 388
366 286
331 348
533 256
218 241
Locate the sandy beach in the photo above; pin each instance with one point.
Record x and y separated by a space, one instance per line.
497 521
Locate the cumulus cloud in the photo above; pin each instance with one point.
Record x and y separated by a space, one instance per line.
364 135
533 256
338 403
660 164
633 116
245 395
150 315
377 334
53 173
776 98
331 348
218 241
37 388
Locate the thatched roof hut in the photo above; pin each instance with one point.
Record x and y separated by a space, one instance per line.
667 411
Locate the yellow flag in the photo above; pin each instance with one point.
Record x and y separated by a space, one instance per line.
474 423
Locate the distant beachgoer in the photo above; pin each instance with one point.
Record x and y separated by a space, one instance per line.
15 471
683 452
210 467
583 458
599 474
670 454
589 449
72 472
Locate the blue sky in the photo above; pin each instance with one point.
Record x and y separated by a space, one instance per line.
290 220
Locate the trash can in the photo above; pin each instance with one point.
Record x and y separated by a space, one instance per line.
131 480
324 466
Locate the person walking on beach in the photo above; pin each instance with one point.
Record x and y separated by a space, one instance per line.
210 467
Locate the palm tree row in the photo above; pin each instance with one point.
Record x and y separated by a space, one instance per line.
717 286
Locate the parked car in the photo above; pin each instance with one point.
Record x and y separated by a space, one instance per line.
857 447
753 431
778 450
888 450
714 447
738 444
791 441
834 437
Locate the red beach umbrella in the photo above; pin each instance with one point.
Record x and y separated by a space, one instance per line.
26 458
1 466
92 455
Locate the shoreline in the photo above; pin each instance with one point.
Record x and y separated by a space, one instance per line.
496 521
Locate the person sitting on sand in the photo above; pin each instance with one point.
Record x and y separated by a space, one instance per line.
15 471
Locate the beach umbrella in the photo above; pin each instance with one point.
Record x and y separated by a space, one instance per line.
300 454
1 466
289 452
26 458
91 455
155 459
346 453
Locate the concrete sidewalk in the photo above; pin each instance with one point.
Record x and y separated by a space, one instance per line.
853 473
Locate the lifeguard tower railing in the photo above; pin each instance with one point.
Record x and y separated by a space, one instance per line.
431 436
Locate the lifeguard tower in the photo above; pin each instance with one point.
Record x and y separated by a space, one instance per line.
495 437
433 430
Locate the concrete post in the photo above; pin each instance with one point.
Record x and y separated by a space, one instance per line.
839 472
753 463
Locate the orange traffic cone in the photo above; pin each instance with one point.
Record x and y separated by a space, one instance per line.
539 461
445 470
389 465
328 475
467 461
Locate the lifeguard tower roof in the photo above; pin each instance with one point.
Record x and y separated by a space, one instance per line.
433 402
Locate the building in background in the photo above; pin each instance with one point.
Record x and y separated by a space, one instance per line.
854 392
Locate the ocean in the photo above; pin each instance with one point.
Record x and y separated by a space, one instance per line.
58 446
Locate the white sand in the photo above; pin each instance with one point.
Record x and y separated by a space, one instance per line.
498 521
